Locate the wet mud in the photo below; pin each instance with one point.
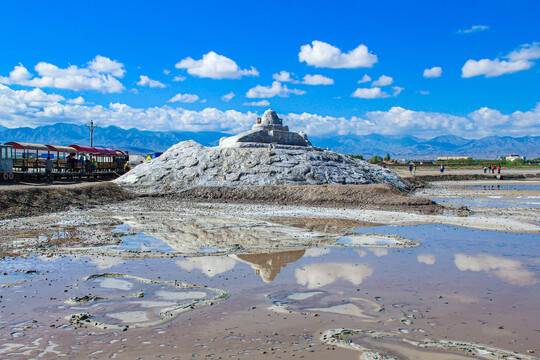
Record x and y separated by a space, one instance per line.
157 277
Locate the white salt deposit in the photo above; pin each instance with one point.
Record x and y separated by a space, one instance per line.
189 164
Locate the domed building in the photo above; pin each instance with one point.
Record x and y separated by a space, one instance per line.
267 130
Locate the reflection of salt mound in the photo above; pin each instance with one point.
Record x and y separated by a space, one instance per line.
268 265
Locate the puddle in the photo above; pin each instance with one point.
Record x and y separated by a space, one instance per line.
450 284
490 202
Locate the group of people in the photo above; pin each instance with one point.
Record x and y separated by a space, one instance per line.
491 168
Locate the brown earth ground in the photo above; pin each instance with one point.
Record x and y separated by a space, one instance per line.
31 199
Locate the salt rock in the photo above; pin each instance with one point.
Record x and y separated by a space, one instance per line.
188 164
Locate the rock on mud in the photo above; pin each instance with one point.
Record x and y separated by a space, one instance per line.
189 164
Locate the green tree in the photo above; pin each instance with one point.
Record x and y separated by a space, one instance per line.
375 159
387 157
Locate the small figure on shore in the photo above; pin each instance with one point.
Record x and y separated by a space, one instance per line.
485 169
499 169
442 168
410 167
414 169
493 169
48 169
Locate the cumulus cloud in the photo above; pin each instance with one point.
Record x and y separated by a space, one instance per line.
166 71
186 98
284 76
383 81
508 270
277 89
179 78
146 81
227 97
321 54
370 93
434 72
101 75
34 108
77 101
364 79
375 93
316 252
215 66
317 80
318 275
105 65
518 60
257 103
472 29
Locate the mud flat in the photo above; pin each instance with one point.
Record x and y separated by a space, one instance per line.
174 276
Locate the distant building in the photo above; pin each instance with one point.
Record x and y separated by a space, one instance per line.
444 158
513 157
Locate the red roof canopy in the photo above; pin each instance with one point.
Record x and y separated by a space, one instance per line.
105 151
27 146
86 149
65 149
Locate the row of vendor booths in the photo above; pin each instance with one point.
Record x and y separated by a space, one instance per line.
25 158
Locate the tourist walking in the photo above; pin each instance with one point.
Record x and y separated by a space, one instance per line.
442 168
499 169
414 169
410 167
485 170
48 169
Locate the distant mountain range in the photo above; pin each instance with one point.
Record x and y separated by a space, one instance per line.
399 147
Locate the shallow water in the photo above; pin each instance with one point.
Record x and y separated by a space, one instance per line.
461 284
490 202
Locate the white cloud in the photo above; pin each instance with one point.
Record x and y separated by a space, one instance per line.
397 90
434 72
186 98
365 79
318 275
370 93
317 80
146 81
105 65
227 97
472 29
215 66
284 76
100 75
322 54
34 108
179 78
270 91
166 71
426 259
508 270
518 60
257 103
77 101
383 81
423 92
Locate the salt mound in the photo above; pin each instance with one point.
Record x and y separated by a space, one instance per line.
188 164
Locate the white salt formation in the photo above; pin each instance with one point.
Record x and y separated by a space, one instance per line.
269 154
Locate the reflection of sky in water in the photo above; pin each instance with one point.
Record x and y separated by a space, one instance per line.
489 202
522 187
141 242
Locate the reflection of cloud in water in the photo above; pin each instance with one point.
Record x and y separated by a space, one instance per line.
316 252
510 271
426 259
379 252
106 262
361 253
318 275
209 265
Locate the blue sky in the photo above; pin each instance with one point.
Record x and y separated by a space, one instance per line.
481 59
